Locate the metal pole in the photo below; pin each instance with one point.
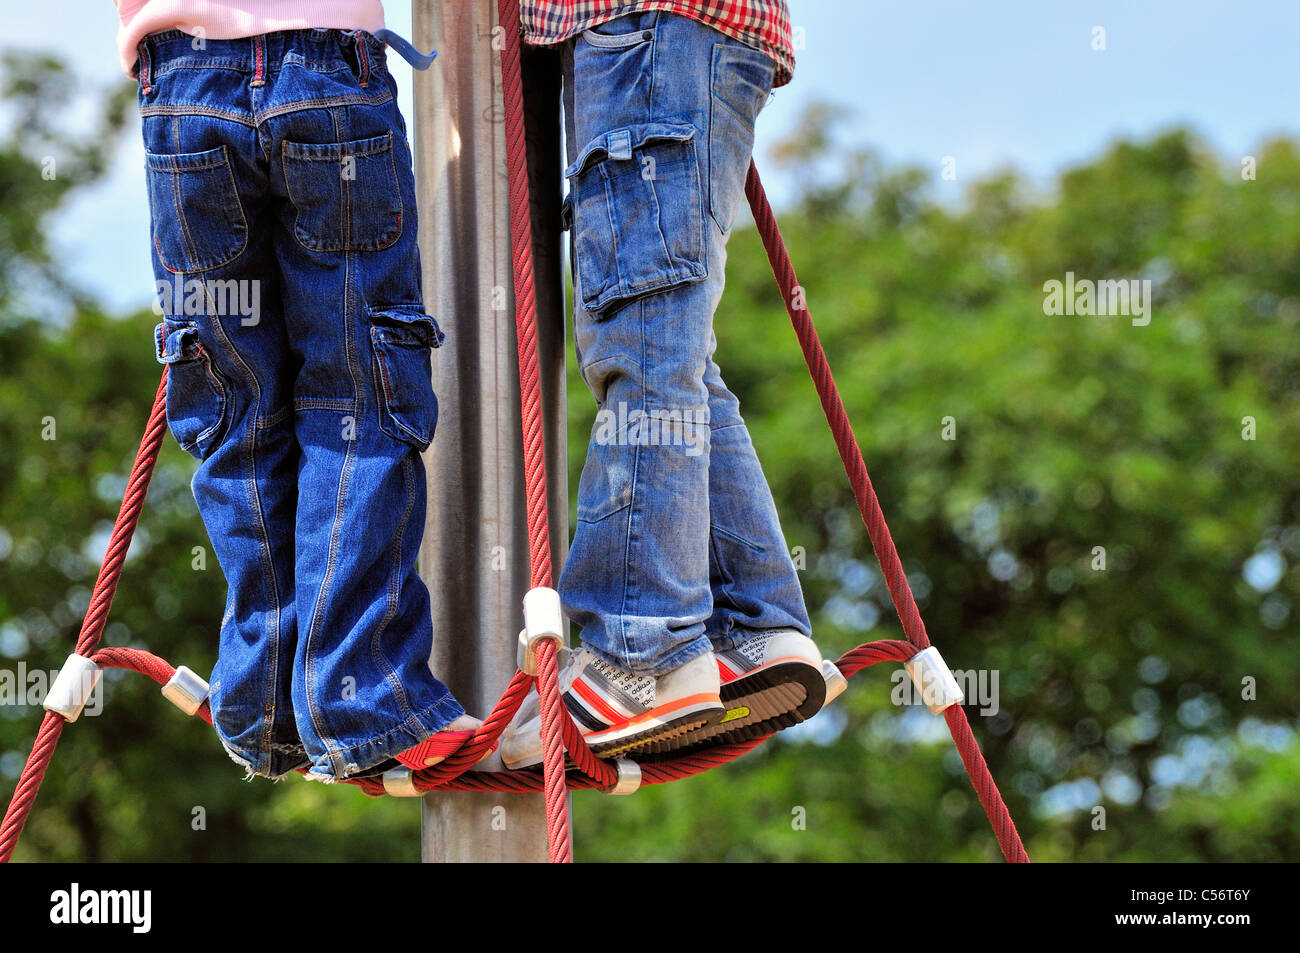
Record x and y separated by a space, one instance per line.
475 552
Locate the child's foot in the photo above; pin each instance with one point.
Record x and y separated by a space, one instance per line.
770 681
620 713
441 745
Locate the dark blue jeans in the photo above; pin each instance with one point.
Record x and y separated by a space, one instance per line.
298 355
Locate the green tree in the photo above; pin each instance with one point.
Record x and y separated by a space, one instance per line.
1113 527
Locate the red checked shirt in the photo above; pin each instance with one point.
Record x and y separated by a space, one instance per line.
762 24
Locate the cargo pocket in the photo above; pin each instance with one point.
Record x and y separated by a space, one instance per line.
198 222
637 214
196 393
345 195
401 339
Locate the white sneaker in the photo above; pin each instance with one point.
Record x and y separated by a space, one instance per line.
770 681
620 713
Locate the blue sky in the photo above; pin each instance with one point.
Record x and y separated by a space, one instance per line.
992 84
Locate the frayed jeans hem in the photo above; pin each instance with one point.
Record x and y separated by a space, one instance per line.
346 763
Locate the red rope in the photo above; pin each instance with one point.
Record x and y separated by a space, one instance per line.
558 840
604 775
146 663
558 729
855 660
850 453
873 516
29 783
92 627
521 246
553 715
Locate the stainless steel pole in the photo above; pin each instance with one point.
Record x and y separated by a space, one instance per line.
475 552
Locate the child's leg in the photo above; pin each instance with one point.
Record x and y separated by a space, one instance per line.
636 578
659 121
753 578
364 405
222 338
661 128
636 98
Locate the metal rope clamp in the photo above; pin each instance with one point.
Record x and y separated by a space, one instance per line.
186 690
939 690
543 619
629 777
400 782
836 683
72 687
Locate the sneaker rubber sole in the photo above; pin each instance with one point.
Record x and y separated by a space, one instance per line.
659 730
778 695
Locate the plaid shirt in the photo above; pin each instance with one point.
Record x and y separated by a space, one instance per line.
762 24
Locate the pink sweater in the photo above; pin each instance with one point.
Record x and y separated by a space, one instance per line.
231 19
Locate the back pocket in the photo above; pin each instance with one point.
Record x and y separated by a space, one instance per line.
198 222
345 194
637 214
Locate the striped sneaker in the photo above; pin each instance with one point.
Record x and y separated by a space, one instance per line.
621 714
770 681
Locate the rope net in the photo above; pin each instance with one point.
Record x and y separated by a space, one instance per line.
561 737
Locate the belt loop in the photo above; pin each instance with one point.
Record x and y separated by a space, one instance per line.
363 57
146 67
259 60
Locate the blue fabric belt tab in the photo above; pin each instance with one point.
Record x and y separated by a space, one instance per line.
404 48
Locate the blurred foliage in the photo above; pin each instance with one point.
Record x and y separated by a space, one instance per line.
41 159
1120 688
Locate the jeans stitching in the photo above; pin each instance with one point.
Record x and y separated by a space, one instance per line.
212 112
633 533
340 755
717 528
180 219
394 591
275 419
397 185
323 403
235 65
265 556
259 117
322 598
345 217
351 99
315 712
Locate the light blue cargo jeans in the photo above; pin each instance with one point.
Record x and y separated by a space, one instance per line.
678 547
